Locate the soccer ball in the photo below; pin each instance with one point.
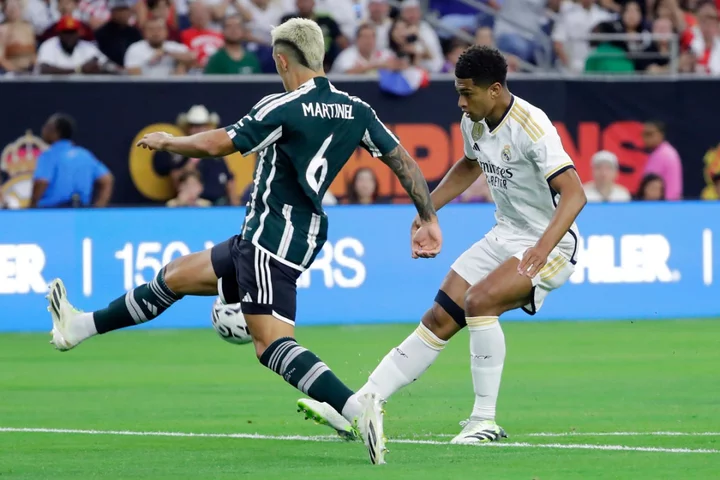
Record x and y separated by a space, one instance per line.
229 323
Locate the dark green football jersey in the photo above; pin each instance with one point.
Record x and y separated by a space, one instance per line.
303 139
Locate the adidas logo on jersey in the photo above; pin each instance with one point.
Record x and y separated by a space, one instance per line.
475 147
247 298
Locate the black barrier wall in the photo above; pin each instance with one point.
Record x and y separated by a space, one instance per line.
590 115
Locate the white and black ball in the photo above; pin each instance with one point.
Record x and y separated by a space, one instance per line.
229 323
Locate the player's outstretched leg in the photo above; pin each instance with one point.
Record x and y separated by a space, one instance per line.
277 349
407 362
502 290
189 275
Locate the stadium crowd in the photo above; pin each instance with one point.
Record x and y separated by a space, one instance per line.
164 37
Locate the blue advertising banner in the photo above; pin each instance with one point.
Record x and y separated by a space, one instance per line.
639 261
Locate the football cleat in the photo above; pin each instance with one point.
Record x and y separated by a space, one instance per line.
475 432
324 414
63 335
370 425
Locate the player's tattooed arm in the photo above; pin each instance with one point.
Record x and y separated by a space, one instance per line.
412 180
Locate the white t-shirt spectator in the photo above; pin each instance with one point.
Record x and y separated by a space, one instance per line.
342 11
350 58
431 39
41 14
573 25
140 54
51 53
618 193
263 20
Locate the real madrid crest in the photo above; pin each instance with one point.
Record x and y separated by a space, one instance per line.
17 164
505 155
477 131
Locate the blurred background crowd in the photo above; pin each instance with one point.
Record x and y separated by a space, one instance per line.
164 38
194 37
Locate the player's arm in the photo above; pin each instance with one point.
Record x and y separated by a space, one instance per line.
213 143
563 179
456 181
411 178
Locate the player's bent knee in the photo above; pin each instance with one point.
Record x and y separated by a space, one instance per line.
482 299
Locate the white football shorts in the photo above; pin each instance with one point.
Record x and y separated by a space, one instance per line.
487 254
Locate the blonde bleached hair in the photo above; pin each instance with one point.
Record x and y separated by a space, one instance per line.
303 39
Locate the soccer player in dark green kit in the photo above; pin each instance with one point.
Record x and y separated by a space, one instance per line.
303 138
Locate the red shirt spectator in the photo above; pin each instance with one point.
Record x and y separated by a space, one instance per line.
68 8
199 38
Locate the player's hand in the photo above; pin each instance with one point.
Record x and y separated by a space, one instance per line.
426 238
154 141
533 260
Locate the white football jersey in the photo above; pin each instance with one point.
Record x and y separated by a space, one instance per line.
520 157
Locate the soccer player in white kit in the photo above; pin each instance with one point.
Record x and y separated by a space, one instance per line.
528 253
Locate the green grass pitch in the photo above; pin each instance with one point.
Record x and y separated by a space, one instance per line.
624 380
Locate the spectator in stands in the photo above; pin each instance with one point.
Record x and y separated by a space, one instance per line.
166 10
233 58
218 181
427 44
652 188
66 174
335 41
477 192
199 38
115 37
484 37
603 187
457 15
263 14
378 15
363 189
41 14
573 25
93 12
457 47
608 57
519 29
364 57
66 53
190 188
670 10
346 14
661 49
156 56
68 8
663 160
704 39
630 23
17 40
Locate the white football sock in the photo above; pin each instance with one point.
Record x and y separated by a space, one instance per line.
83 325
487 356
405 363
351 410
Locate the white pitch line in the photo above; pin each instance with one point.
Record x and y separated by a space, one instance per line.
592 434
622 434
325 438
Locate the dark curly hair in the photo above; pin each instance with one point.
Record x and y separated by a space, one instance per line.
484 65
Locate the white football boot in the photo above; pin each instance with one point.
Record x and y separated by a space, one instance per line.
65 334
479 431
324 414
370 425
